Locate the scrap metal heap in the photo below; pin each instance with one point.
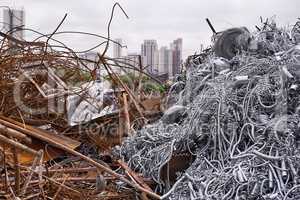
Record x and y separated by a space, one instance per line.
230 129
233 132
59 119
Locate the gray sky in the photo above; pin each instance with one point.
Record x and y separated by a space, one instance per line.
163 20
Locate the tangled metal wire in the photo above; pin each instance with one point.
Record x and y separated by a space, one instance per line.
241 126
26 65
36 78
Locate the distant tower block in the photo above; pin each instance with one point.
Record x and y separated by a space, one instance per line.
14 21
165 61
176 48
149 52
117 47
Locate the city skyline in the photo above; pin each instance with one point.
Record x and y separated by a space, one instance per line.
157 60
160 20
161 60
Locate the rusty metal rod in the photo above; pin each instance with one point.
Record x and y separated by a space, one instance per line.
35 133
15 134
17 145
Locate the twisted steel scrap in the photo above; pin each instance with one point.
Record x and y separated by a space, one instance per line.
240 131
27 66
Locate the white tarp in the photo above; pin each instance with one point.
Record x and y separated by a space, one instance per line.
90 103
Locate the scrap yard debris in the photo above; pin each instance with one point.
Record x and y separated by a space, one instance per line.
233 132
228 127
61 114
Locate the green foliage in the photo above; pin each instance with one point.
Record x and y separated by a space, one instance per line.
151 86
148 85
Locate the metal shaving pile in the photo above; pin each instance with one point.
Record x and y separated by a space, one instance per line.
237 129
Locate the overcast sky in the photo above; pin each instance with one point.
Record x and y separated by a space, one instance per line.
163 20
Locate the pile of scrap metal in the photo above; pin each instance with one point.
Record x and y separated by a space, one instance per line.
233 131
59 121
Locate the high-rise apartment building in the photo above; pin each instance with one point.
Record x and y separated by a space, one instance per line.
14 21
176 47
117 48
165 60
149 53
